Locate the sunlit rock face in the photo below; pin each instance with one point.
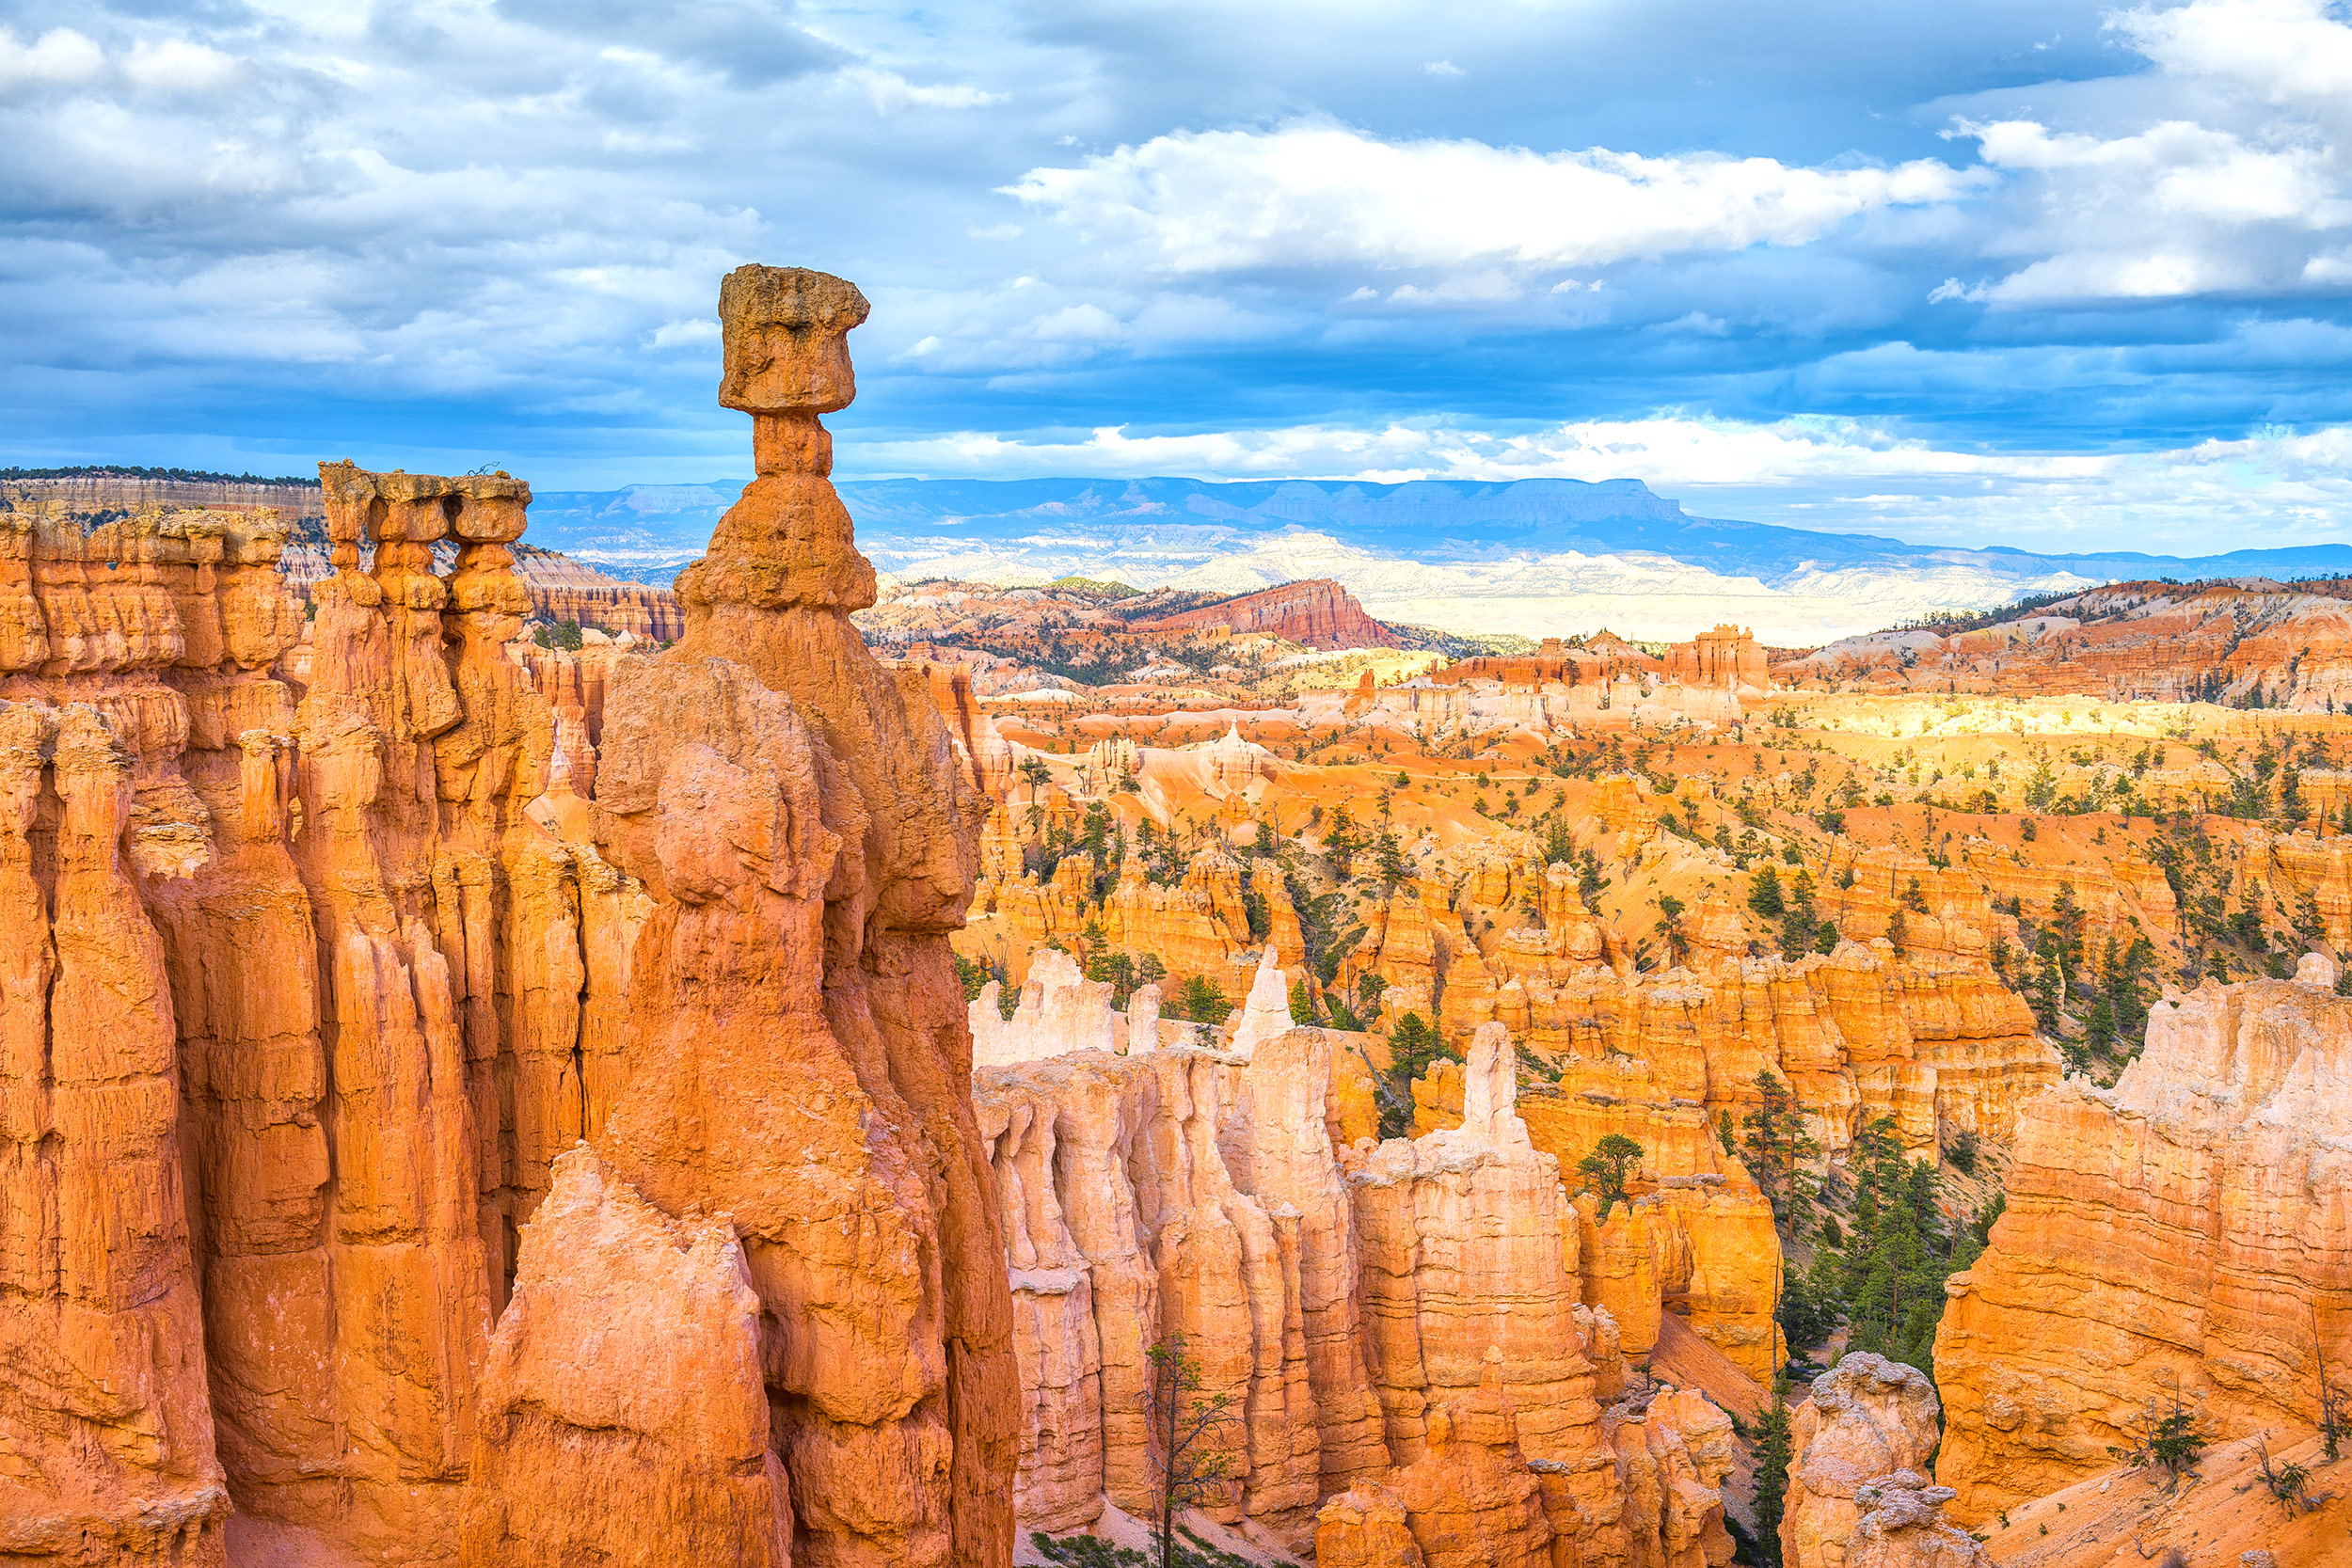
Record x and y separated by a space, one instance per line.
1868 1417
2184 1230
287 953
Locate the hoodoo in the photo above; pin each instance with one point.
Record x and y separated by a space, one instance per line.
798 1055
317 971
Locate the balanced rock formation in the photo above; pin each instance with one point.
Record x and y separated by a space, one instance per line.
308 978
803 1063
2182 1235
1869 1419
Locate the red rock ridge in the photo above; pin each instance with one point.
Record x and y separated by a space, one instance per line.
1315 614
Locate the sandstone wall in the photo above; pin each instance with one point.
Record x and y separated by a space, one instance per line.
2186 1231
1701 1245
335 1151
653 613
1729 656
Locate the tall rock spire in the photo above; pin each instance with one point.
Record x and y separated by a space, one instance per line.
799 1059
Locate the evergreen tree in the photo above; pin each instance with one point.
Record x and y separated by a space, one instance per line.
1185 1431
1202 999
1605 1169
1775 1446
1414 1047
1777 1149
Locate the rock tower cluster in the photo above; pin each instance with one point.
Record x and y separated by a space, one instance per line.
1400 1321
410 1168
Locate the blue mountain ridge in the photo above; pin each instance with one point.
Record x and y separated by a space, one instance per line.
648 531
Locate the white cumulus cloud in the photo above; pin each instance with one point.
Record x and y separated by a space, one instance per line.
60 57
2249 194
1313 193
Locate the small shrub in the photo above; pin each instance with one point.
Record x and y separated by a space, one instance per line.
2168 1440
2287 1482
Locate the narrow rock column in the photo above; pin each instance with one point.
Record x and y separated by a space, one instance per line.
802 1049
1870 1416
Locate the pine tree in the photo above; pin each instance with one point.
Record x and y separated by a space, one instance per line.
1413 1048
1606 1168
1777 1149
1184 1428
1775 1446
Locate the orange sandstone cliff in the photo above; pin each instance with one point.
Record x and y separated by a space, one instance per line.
2181 1234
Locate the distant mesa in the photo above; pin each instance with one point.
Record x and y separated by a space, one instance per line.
1317 613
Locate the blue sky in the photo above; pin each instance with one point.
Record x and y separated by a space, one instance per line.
2050 275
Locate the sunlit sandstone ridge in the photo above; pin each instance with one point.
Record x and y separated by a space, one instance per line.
319 970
